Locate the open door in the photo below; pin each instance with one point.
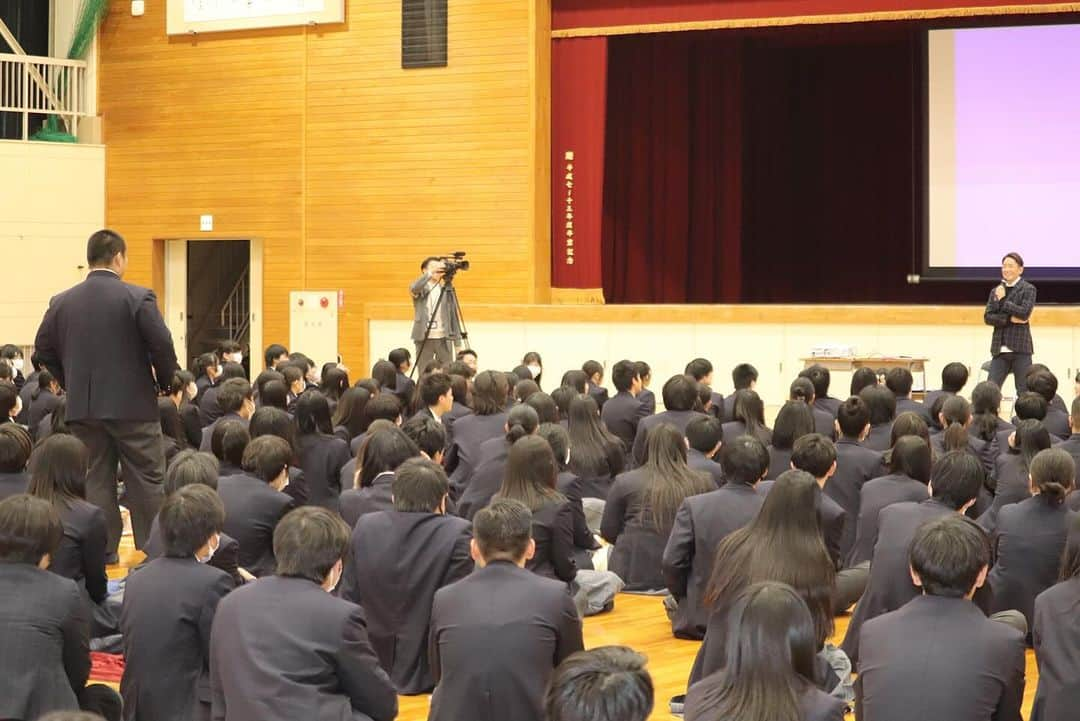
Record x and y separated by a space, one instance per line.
176 296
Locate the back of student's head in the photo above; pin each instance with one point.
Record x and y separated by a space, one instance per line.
521 421
524 390
623 375
899 381
58 468
1044 383
400 357
668 479
103 246
985 407
744 460
1070 558
559 440
419 486
459 384
910 423
801 390
30 527
608 683
911 456
815 454
680 393
881 402
502 530
489 393
530 473
743 376
592 368
644 371
563 397
334 382
460 368
699 369
272 422
308 542
1031 437
704 434
955 417
189 517
15 448
956 478
313 414
385 373
545 407
749 409
383 451
190 467
266 457
954 376
1053 474
230 371
385 406
575 379
948 554
794 421
228 441
821 378
9 396
232 394
853 416
862 378
1031 406
427 433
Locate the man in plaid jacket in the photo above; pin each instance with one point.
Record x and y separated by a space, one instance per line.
1009 311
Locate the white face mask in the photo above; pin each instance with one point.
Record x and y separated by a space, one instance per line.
212 550
191 391
17 364
234 357
535 370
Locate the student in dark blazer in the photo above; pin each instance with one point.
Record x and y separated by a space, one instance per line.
816 455
436 396
704 437
747 417
189 412
210 404
348 420
680 394
1012 471
882 405
794 421
207 372
321 455
236 402
1029 406
105 342
986 420
267 421
386 448
622 413
401 359
743 377
44 399
701 370
641 508
323 669
595 390
900 381
399 559
769 668
954 376
821 378
939 657
647 397
569 484
460 409
702 522
486 481
254 503
956 418
1071 445
596 455
15 449
1045 384
1056 638
487 421
824 423
498 634
169 607
855 465
1030 536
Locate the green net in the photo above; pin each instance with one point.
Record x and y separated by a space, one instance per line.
91 15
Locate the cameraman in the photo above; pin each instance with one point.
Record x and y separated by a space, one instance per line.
445 333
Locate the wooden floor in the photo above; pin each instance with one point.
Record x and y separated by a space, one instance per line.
636 621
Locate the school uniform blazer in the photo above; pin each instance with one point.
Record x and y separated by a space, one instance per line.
855 465
939 658
598 394
209 410
621 414
1056 637
487 479
648 399
716 410
701 523
1012 486
226 558
100 339
907 405
44 635
833 521
379 496
985 452
252 512
205 445
1057 423
1001 441
189 415
169 607
699 462
1071 445
1028 542
398 561
464 455
727 412
879 438
25 392
779 462
876 495
12 484
928 401
283 649
828 404
496 637
404 388
824 423
638 551
733 429
459 410
679 419
814 704
321 458
553 531
42 406
81 553
569 485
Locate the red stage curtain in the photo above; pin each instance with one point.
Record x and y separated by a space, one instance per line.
578 112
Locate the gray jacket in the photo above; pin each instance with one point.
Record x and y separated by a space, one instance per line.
420 289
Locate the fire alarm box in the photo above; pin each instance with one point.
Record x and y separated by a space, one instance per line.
313 324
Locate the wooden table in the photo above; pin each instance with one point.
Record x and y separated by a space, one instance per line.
851 363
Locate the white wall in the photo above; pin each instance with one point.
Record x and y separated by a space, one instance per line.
53 199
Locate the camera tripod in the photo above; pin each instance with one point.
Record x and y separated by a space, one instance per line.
449 296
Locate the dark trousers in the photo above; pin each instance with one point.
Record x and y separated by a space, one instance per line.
850 585
137 447
1016 363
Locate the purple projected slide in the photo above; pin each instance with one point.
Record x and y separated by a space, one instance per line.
1017 145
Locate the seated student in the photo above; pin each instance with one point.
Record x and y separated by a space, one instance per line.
385 449
384 407
334 381
803 390
28 388
562 396
939 657
1012 471
1029 406
702 522
986 420
349 414
954 376
523 390
169 606
284 647
436 396
487 421
821 378
568 484
320 454
622 413
498 634
210 408
460 385
294 383
909 474
235 400
794 421
254 503
899 381
680 394
1056 638
955 418
401 359
747 417
10 403
227 444
189 411
15 449
608 683
855 465
704 437
1045 384
862 378
544 406
1071 445
647 397
469 357
533 363
597 456
428 435
231 352
207 371
275 355
816 454
641 508
701 370
882 406
494 453
400 558
44 398
769 666
744 378
1030 536
276 422
578 380
43 624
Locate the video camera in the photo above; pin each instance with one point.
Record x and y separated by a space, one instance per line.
453 263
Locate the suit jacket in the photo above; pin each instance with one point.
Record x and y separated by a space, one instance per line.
907 405
420 289
939 658
252 512
322 457
855 465
1028 542
833 522
553 531
1012 486
205 442
42 406
824 423
379 496
697 460
977 447
464 455
1019 301
598 394
702 522
814 704
81 553
734 429
621 414
45 637
12 484
100 339
189 414
457 411
679 419
398 561
648 399
318 666
876 495
487 479
496 637
1070 445
828 404
1056 637
779 462
569 485
880 437
1057 423
727 410
169 607
226 558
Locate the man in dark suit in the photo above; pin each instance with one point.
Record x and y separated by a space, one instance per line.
237 403
744 377
704 437
701 370
169 607
939 657
1009 310
594 373
954 376
680 394
399 559
821 378
622 413
105 341
498 634
855 465
609 683
701 523
284 648
900 381
436 395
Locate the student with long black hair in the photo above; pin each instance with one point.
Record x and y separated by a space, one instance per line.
956 418
521 421
748 417
348 420
986 420
794 421
1012 471
1056 637
320 453
596 454
882 405
487 421
385 448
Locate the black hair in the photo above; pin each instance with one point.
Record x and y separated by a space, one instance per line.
881 403
189 467
558 439
954 376
591 368
703 434
308 542
862 378
597 452
852 416
899 381
643 370
30 528
801 390
985 407
1031 406
749 408
313 414
233 370
268 421
204 361
384 406
58 468
468 351
399 357
266 457
1044 383
813 453
15 448
520 422
103 246
273 352
608 683
274 394
188 518
821 378
912 457
948 554
45 379
383 451
563 396
744 460
794 421
434 386
427 433
955 417
956 479
578 380
623 375
459 368
698 369
743 375
232 394
1031 437
230 346
334 382
228 441
680 393
385 373
1015 256
489 393
9 397
419 486
503 530
530 474
1053 472
544 406
524 389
